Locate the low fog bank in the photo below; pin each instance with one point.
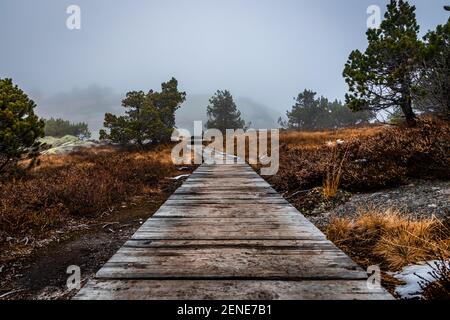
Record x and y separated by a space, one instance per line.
81 105
194 109
91 103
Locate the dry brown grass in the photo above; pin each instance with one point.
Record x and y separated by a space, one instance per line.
334 172
313 139
390 239
377 157
82 184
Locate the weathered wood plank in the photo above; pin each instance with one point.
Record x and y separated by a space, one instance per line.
229 263
274 244
229 289
226 210
225 190
296 222
221 201
217 196
226 228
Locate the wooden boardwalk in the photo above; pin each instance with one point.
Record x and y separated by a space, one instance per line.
226 234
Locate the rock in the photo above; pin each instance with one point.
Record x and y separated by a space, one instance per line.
65 144
420 199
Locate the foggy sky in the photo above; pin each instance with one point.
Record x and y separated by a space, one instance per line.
263 51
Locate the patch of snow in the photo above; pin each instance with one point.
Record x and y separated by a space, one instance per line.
181 176
412 275
331 144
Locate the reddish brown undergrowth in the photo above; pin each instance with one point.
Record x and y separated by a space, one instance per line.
82 184
376 157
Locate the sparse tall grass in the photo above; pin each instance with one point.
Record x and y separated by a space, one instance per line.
390 239
334 172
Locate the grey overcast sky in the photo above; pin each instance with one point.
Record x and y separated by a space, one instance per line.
264 50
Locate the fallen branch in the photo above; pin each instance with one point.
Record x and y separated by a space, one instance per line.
298 192
10 293
109 224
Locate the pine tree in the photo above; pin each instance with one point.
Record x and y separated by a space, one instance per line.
20 127
149 118
434 94
384 75
60 127
311 113
303 112
223 113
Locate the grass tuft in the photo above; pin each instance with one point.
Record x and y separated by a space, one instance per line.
389 238
334 172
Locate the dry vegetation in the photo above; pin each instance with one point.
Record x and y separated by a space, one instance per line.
314 168
312 139
378 156
321 169
391 239
333 173
79 185
439 287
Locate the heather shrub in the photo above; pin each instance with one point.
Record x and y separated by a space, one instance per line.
378 157
82 184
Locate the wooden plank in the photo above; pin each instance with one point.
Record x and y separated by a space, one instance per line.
170 202
272 221
226 210
227 184
224 190
225 174
224 177
254 206
224 235
230 263
225 196
227 228
229 290
193 224
274 244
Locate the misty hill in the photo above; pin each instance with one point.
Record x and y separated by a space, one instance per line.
194 108
90 105
81 105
